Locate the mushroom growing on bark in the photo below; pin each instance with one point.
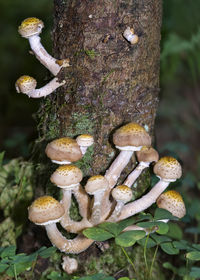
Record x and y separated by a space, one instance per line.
173 202
47 211
145 156
96 186
122 194
27 85
63 151
30 29
130 36
168 169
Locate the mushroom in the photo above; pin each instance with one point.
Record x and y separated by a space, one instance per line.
130 36
84 141
30 29
96 186
168 169
69 265
63 151
27 85
47 211
122 194
145 156
68 178
173 202
129 138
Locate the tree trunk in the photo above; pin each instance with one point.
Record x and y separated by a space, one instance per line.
110 82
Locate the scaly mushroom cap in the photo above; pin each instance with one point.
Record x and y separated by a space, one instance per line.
45 210
66 175
25 84
122 193
147 154
168 169
85 140
30 26
173 202
96 183
131 134
63 149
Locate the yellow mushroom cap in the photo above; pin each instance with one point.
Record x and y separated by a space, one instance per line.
173 202
85 140
30 26
45 210
147 154
131 134
25 84
168 169
96 183
122 193
63 149
67 175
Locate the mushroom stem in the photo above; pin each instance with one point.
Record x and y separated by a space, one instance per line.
83 201
144 202
42 55
116 212
70 246
97 207
118 165
46 90
132 177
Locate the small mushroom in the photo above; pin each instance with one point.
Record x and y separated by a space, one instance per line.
69 265
169 170
122 194
47 211
130 36
27 85
84 141
173 202
30 29
96 186
68 178
63 151
145 156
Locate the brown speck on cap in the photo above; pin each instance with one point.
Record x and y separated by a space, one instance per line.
147 154
66 175
45 210
131 134
122 193
168 168
63 149
30 26
95 183
173 202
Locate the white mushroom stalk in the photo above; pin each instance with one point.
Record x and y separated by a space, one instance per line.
30 29
27 85
145 156
85 141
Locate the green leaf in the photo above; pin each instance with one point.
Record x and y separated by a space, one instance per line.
1 158
148 225
195 272
8 252
181 245
128 238
98 276
169 248
161 214
3 267
46 252
127 222
97 234
196 246
194 256
175 231
151 243
160 238
169 266
20 267
144 216
113 228
162 227
124 278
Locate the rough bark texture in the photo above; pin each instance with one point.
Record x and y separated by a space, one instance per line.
110 82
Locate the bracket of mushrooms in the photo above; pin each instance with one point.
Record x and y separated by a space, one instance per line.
110 201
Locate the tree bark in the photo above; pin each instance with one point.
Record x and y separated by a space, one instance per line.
110 82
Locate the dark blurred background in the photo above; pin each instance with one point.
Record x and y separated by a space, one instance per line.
177 123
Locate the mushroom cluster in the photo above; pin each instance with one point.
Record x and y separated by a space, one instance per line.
30 29
102 199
